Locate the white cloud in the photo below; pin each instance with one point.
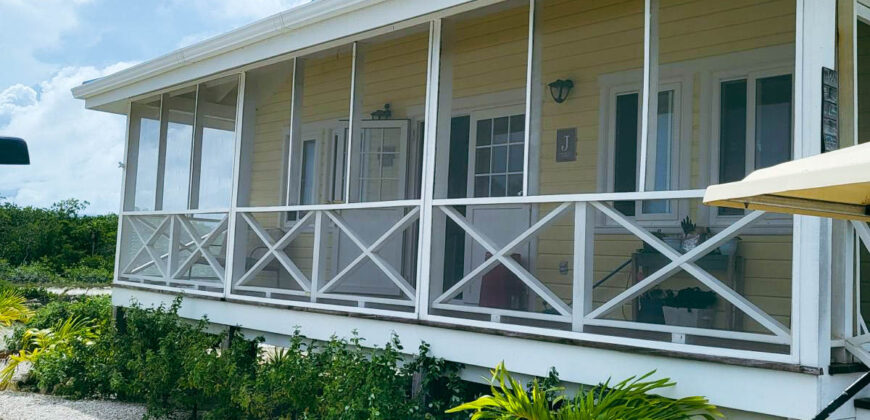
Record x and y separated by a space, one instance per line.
29 28
74 152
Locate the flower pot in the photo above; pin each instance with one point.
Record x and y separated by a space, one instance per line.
686 317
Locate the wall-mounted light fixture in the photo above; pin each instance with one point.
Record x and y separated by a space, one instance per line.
382 114
560 88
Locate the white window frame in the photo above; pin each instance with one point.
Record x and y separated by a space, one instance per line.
613 86
751 74
488 114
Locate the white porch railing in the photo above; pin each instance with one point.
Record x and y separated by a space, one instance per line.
580 312
175 249
190 250
326 226
858 345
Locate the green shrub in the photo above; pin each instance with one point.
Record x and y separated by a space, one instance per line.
85 275
95 308
630 399
37 272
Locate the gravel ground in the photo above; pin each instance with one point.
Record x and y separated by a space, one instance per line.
28 406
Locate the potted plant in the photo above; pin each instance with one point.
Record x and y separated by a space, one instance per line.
690 307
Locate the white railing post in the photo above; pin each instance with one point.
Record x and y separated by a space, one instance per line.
126 179
316 255
816 32
433 75
232 224
584 243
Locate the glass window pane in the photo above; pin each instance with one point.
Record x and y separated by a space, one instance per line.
179 138
517 128
500 130
484 132
498 186
499 159
216 118
625 149
515 185
145 116
308 164
732 131
515 159
481 186
662 153
481 161
773 125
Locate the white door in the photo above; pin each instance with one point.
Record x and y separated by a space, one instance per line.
495 169
379 166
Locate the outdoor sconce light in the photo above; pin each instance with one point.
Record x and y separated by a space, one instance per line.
382 114
560 88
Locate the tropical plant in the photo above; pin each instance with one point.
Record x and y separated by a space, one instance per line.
13 308
41 342
627 400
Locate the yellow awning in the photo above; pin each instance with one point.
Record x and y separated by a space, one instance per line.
834 184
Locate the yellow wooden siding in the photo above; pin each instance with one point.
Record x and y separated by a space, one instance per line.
490 53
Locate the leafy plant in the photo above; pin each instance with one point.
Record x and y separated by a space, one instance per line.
626 400
41 342
13 308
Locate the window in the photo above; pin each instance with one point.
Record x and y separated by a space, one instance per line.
382 164
663 151
307 180
499 153
755 126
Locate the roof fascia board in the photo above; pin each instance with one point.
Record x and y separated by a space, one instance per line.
268 38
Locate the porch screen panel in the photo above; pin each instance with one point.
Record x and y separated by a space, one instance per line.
722 75
266 136
589 56
323 110
179 141
391 90
142 166
484 58
214 143
748 49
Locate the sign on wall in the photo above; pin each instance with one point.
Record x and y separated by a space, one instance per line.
830 110
566 144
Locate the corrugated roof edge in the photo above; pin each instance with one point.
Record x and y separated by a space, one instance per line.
290 19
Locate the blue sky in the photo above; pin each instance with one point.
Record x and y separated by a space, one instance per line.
49 46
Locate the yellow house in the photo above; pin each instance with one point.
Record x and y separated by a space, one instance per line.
509 180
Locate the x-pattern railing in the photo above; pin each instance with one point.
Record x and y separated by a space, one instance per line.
369 252
501 255
173 228
686 262
779 333
855 345
275 250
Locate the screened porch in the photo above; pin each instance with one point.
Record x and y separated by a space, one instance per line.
526 166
